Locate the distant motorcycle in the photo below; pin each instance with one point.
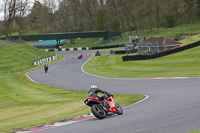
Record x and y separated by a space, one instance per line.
80 57
46 68
99 110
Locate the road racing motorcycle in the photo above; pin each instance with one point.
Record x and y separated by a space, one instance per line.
99 110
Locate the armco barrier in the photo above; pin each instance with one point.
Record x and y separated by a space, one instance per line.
104 47
124 51
161 54
120 52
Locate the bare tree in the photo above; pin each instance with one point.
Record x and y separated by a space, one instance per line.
149 13
63 16
113 22
157 15
111 15
74 6
117 8
9 15
190 10
89 7
51 6
23 6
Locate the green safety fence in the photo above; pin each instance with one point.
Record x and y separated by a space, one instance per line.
59 36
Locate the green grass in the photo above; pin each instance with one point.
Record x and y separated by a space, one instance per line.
169 32
190 40
19 57
183 64
197 131
174 32
24 104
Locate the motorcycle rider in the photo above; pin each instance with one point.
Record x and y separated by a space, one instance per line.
46 67
93 93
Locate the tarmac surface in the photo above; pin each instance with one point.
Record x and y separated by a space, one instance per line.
173 105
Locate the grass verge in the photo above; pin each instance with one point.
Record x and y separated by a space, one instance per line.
24 104
182 64
197 131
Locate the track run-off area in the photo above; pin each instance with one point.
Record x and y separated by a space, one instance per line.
173 105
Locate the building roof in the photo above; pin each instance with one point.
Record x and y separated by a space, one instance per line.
159 41
163 41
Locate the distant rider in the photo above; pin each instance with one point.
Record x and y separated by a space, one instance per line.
93 93
46 67
81 56
112 51
98 53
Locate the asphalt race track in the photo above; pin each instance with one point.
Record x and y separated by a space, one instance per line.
173 105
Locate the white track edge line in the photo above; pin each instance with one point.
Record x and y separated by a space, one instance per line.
132 79
31 78
101 76
146 97
72 122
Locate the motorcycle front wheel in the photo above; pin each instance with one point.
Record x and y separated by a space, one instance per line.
98 111
119 109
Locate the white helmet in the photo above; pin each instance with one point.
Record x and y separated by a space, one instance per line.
94 86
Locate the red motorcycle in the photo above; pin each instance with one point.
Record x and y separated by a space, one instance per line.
99 110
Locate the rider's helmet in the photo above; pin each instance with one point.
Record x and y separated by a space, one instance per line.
94 86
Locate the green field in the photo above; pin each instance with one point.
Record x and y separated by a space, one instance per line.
183 64
24 104
170 32
198 131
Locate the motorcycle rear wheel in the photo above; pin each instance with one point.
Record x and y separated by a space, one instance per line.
98 111
119 109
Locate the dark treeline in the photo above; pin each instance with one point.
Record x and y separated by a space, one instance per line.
97 15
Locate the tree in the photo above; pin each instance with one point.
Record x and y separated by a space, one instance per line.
89 8
112 19
9 15
149 13
74 8
91 15
20 16
118 9
42 16
157 15
51 7
34 15
100 21
190 10
198 8
63 16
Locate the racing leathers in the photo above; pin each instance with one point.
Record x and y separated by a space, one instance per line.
93 93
